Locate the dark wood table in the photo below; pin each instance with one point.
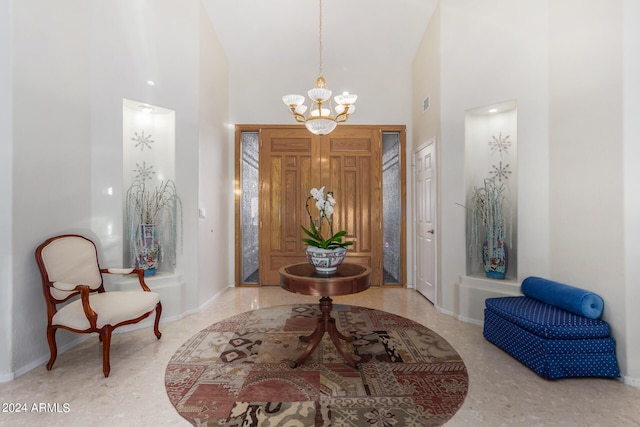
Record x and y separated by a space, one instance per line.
303 279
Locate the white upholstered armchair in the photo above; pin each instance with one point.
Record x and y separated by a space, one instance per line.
69 268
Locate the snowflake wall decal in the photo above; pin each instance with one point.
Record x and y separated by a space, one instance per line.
500 144
142 140
143 172
501 172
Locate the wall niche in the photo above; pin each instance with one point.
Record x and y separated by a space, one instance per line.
148 141
491 174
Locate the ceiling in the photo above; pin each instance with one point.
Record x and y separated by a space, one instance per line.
286 32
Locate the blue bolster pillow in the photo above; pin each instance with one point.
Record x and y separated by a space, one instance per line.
575 300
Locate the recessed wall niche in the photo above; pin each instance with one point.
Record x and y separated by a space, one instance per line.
148 142
491 176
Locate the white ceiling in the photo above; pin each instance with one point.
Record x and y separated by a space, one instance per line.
286 31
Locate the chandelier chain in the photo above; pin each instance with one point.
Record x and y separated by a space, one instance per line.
321 118
320 34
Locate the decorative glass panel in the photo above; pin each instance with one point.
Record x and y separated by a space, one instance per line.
391 206
249 206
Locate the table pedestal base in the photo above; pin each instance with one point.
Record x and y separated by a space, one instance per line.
327 324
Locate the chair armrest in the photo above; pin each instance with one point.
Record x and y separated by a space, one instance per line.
118 270
62 286
92 316
137 271
84 296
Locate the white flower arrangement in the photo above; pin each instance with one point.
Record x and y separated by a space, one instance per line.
325 206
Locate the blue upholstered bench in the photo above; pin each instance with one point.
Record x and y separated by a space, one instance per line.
554 329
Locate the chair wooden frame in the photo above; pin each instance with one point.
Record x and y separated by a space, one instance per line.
85 291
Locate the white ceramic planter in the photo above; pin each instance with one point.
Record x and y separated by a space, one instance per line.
326 261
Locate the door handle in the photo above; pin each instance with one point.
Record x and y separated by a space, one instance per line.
430 231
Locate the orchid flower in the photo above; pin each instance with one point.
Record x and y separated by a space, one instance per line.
325 206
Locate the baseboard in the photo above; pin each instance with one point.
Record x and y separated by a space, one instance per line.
44 359
148 322
443 311
470 320
215 296
631 381
5 378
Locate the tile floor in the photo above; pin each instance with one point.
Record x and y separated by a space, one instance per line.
502 392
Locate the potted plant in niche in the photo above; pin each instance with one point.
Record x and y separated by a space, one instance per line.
491 208
325 254
151 212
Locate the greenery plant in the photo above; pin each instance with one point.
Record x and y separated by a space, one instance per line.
325 205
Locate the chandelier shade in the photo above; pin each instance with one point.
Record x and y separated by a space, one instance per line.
320 126
293 99
321 119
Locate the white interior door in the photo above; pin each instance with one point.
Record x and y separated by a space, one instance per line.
425 208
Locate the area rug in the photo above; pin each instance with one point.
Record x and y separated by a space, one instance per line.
236 373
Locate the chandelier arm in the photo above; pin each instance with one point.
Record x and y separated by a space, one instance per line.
299 117
344 116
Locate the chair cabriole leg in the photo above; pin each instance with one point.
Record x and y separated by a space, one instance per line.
157 321
105 334
53 348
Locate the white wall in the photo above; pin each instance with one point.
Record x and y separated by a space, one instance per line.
133 42
562 62
74 61
216 169
586 153
159 41
6 192
256 92
493 51
51 130
425 126
631 150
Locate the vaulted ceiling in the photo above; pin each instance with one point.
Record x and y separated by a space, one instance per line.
369 32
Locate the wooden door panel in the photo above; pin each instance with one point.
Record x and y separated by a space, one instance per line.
354 175
347 162
291 156
275 188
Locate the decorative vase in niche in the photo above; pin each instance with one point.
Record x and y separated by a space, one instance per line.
326 261
495 261
148 249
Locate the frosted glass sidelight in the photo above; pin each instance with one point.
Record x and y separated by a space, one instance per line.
249 206
391 202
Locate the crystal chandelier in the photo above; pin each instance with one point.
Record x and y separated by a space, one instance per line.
321 119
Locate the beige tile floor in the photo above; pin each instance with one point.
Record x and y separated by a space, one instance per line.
502 392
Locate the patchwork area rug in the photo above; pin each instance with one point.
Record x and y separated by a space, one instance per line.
236 373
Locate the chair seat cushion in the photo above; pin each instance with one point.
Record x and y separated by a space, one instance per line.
112 308
545 320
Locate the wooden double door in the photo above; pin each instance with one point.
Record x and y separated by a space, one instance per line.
292 162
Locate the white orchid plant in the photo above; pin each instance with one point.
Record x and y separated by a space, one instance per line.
325 205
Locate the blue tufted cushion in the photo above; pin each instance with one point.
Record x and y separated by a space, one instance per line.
546 320
575 300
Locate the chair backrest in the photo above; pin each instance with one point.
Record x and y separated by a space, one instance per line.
69 259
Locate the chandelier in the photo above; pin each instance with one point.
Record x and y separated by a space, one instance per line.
321 119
